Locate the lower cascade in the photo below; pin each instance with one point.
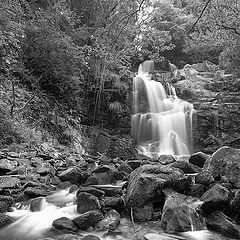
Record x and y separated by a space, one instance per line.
161 122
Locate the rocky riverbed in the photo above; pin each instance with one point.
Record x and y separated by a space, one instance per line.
72 196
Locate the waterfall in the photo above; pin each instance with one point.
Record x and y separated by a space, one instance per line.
161 122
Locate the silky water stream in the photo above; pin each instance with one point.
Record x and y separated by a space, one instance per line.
161 122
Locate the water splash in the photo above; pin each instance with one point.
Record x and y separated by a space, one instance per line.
161 122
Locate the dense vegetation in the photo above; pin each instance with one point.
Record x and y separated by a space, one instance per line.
70 60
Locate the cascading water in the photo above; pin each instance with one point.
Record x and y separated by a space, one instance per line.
161 122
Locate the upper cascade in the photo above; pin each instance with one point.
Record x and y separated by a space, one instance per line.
161 122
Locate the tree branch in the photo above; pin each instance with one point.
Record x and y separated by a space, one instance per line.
201 14
126 23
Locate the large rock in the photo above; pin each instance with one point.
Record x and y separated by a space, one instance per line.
37 204
64 223
198 159
166 159
73 175
104 175
216 198
35 192
7 166
225 162
5 220
110 221
186 167
9 182
88 219
219 222
146 181
205 178
88 189
180 213
197 190
87 202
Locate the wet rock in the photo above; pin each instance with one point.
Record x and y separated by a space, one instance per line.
88 219
220 223
205 178
64 185
180 213
88 189
143 213
235 207
198 159
31 184
5 220
134 164
104 175
13 154
7 199
64 223
3 207
73 188
197 190
72 175
37 204
7 166
216 198
87 202
146 181
110 221
225 162
46 168
9 182
186 167
116 203
166 159
124 167
35 192
55 180
91 237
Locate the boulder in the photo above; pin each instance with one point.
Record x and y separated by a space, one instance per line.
143 213
5 220
216 198
37 204
198 159
46 168
235 207
166 159
87 202
7 166
116 203
219 222
88 189
7 199
180 213
125 168
134 164
225 162
205 178
3 207
73 175
91 237
186 167
110 221
64 223
146 181
197 190
35 192
104 175
9 182
88 219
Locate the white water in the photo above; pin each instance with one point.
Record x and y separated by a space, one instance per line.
161 122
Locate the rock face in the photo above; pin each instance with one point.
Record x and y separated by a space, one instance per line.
64 223
180 214
88 219
219 222
198 159
225 162
145 182
87 202
216 198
